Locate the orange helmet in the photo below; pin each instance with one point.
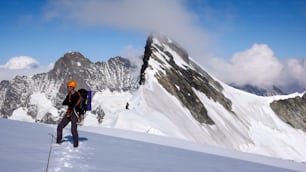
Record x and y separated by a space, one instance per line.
72 84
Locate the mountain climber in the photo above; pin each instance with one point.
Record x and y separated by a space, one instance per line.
72 100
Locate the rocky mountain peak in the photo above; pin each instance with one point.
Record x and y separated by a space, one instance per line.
72 60
70 64
180 76
120 60
164 42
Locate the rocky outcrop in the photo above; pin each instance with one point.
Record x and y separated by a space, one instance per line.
16 95
146 57
292 111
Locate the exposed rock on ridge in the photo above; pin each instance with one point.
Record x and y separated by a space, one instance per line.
292 111
181 81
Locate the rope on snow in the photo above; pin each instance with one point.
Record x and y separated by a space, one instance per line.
50 150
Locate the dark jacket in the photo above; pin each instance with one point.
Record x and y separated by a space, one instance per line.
72 100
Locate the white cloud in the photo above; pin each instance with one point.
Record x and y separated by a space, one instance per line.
130 51
21 65
170 17
293 74
135 56
21 62
259 66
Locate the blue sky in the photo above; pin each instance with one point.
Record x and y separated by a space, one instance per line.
279 23
210 30
25 32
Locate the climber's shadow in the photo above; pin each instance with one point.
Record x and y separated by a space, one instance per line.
69 138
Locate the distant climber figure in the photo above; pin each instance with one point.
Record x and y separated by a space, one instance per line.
127 105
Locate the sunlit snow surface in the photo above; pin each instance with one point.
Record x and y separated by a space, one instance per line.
25 147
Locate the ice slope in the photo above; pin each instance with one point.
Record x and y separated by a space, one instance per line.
26 146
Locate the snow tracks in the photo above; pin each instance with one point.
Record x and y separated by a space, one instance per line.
65 157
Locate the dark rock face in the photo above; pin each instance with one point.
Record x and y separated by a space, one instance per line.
16 95
146 58
99 113
115 74
183 81
292 111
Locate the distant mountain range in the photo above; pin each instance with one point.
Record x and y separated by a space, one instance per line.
274 90
170 95
115 74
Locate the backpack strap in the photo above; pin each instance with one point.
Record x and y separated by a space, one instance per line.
76 114
79 101
77 104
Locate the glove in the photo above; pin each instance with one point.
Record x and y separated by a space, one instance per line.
68 113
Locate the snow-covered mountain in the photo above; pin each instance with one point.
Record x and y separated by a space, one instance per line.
23 94
176 98
195 106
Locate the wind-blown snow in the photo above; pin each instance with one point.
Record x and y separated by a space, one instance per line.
26 148
21 115
41 103
44 105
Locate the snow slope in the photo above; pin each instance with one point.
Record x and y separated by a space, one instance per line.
251 126
26 146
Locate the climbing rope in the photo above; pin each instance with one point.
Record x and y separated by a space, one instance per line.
50 150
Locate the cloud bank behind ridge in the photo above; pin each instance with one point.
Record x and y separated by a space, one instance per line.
256 65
